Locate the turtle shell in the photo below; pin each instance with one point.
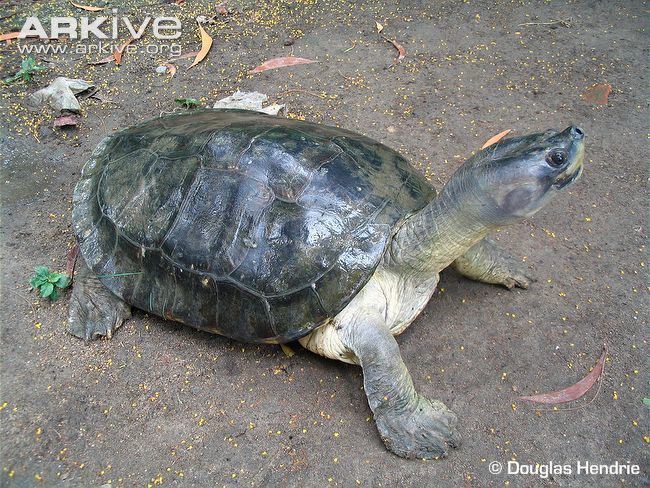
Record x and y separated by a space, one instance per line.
254 227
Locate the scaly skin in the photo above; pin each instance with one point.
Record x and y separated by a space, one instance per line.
487 263
94 311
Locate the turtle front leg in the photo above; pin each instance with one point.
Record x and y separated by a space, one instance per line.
410 425
487 263
94 311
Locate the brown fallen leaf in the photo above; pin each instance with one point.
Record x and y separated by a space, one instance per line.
88 7
401 52
116 56
495 139
597 94
9 36
280 63
118 52
105 60
171 68
206 44
221 9
191 54
575 391
66 120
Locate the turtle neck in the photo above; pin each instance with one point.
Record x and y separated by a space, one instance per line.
449 225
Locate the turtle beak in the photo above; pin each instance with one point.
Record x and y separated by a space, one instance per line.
576 149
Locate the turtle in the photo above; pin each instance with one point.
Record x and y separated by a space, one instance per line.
271 230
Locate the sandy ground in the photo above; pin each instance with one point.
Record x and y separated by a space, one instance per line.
161 404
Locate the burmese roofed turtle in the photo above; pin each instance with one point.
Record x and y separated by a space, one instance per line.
265 229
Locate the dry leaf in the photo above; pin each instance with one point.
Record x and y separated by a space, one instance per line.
66 120
379 27
401 52
597 94
287 350
88 7
495 139
71 261
572 392
171 68
206 44
9 36
118 52
116 56
191 54
221 9
280 63
105 60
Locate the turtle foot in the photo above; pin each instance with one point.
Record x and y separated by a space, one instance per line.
516 278
424 431
94 311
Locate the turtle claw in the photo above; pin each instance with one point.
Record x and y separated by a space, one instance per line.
94 311
518 279
425 431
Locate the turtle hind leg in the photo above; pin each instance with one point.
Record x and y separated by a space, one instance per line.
94 311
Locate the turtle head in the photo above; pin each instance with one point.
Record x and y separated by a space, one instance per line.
516 177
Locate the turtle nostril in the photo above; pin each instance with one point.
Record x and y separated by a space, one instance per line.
576 132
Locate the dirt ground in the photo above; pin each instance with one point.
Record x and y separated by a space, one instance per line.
161 404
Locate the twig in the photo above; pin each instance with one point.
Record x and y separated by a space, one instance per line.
71 263
299 90
563 23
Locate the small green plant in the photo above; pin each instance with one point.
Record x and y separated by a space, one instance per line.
187 102
28 68
48 283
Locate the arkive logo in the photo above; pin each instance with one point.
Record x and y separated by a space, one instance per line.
164 28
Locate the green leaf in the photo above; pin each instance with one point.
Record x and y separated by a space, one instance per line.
28 63
188 102
646 402
62 281
54 295
42 271
47 289
37 281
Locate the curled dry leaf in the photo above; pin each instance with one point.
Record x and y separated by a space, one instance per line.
88 7
206 44
379 27
401 52
597 94
495 139
572 392
280 63
171 68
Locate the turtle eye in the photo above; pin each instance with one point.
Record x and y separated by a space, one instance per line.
556 157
